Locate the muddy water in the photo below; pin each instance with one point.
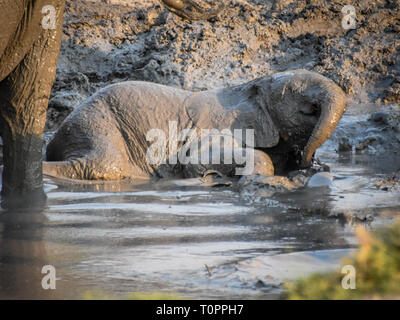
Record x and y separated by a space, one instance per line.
188 241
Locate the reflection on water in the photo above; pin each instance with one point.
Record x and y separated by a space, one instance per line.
22 255
160 237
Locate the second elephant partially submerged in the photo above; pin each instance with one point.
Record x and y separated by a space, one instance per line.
292 114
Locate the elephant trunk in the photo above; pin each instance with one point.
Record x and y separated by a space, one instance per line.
191 10
332 102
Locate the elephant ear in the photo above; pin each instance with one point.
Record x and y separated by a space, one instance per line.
266 133
254 115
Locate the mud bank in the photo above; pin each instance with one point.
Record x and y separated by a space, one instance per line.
110 41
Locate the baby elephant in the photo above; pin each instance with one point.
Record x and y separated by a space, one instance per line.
119 131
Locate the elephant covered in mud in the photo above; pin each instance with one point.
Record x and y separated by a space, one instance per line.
29 46
109 136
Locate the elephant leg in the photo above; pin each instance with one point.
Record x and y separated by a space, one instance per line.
109 164
228 158
88 168
63 169
24 98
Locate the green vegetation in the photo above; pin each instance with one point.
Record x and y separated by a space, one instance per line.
377 265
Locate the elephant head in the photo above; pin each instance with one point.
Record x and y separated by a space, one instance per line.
190 9
305 108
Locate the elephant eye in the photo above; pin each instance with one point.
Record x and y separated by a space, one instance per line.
316 110
311 110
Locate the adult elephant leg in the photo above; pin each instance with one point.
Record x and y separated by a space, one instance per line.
24 98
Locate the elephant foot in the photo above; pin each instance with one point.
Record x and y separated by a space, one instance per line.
34 200
22 183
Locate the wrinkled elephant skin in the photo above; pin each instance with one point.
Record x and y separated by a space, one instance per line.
292 114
